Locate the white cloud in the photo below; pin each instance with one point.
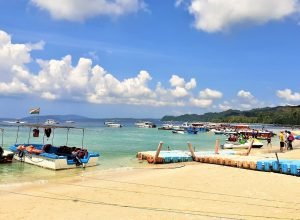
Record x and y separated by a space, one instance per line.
14 57
80 10
177 81
245 94
288 95
225 106
210 94
61 79
221 15
202 103
191 84
48 95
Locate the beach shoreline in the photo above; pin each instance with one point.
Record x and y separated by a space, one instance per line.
171 191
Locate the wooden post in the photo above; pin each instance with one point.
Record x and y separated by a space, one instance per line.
249 148
191 150
158 151
217 146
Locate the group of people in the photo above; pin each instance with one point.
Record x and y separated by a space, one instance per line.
286 139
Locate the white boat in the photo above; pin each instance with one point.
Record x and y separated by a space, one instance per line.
186 125
51 122
238 145
53 157
166 127
145 124
177 132
15 122
70 122
217 132
113 125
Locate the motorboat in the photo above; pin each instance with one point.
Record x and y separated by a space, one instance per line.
192 130
51 156
113 125
243 144
178 132
51 122
217 131
15 122
166 127
70 122
145 124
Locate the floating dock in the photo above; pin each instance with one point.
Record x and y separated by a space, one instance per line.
224 157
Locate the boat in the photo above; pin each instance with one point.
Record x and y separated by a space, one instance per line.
145 124
51 122
15 122
242 145
70 122
113 125
5 155
51 156
166 127
177 132
258 134
192 130
219 132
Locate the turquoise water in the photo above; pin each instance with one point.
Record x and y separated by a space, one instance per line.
117 147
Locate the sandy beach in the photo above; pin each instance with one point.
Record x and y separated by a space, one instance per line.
174 191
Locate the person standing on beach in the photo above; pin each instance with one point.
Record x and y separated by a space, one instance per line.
290 139
281 140
286 135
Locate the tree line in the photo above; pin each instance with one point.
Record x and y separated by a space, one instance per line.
281 115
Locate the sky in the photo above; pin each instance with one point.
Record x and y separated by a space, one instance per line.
147 58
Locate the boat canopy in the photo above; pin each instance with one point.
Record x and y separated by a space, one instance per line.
33 126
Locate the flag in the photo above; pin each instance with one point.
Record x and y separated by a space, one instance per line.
34 111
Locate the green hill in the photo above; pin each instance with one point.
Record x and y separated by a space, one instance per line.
284 115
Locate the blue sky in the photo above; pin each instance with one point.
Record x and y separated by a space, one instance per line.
141 58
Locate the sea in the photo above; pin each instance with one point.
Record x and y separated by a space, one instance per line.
117 147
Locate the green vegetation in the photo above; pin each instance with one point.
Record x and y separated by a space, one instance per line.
283 115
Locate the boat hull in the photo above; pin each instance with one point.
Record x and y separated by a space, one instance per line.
53 164
241 146
51 157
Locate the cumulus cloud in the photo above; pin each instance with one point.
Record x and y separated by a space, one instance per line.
80 10
245 94
288 95
14 57
210 94
62 79
181 88
221 15
206 98
202 103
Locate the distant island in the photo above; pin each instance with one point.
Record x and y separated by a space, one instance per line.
282 115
